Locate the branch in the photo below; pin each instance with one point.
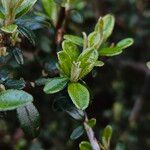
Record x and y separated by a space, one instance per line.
90 134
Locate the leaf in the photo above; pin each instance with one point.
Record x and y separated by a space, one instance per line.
64 62
27 33
88 59
95 40
125 43
2 16
12 99
92 122
15 84
25 7
110 51
50 8
9 28
55 85
77 133
84 145
79 95
18 56
107 134
74 39
99 64
71 49
108 25
148 64
29 119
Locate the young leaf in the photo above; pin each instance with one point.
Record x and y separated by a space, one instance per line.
74 39
29 119
9 28
108 25
84 145
71 49
110 51
79 95
27 33
12 99
25 7
95 40
92 122
55 85
77 133
125 43
65 62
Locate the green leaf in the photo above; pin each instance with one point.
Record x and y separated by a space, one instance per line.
55 85
88 59
95 40
25 7
74 39
107 134
12 99
27 33
125 43
108 25
71 49
77 133
99 64
29 119
110 51
9 28
79 95
92 122
148 64
65 62
84 145
2 16
50 8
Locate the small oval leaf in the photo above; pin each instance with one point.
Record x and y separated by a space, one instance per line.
79 95
12 99
77 133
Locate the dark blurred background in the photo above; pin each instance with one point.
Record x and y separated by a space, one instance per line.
120 89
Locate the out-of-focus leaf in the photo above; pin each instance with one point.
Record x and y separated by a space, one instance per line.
25 7
29 119
15 84
99 64
125 43
79 95
27 33
18 56
9 28
74 39
77 133
55 85
84 145
2 16
12 99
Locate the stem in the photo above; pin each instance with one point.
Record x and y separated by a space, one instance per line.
90 134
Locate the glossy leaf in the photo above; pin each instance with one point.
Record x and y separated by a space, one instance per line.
125 43
9 28
12 99
55 85
84 145
25 7
74 39
79 95
29 119
77 133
